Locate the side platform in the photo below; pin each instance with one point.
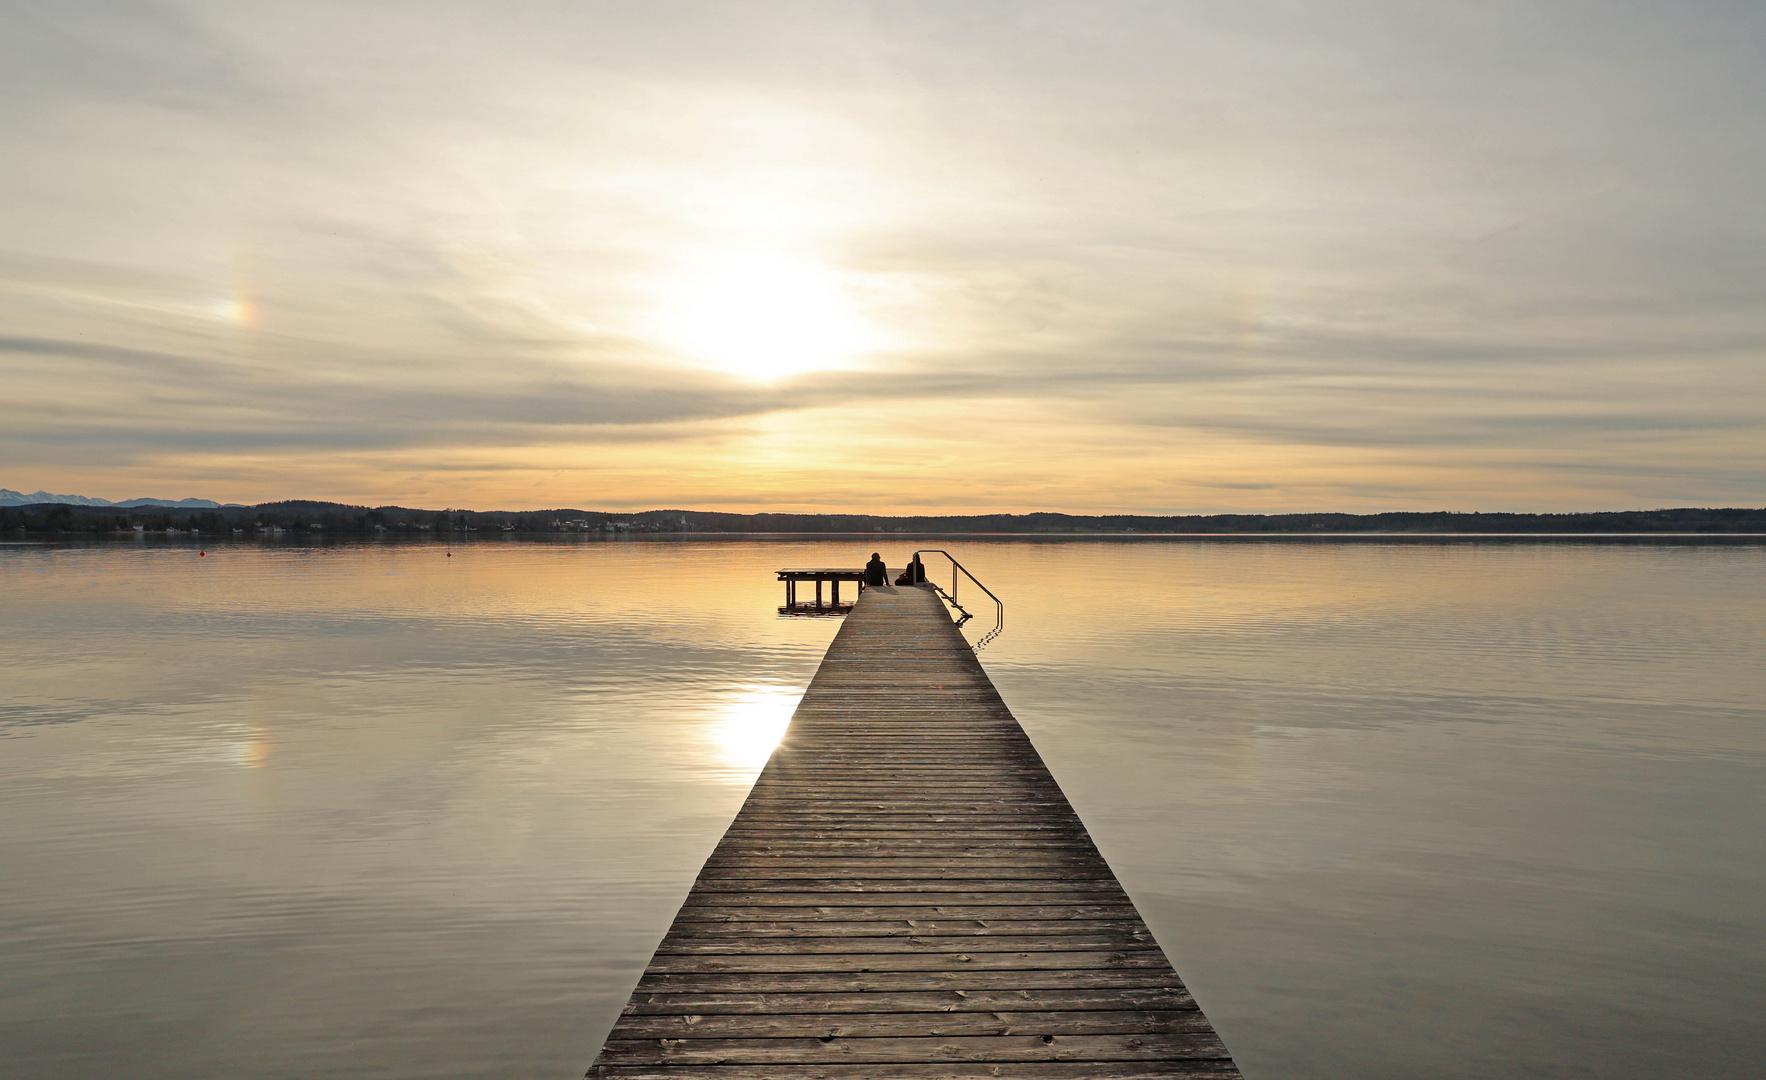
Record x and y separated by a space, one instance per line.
905 895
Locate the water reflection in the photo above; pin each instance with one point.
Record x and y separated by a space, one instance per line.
752 722
1455 810
246 746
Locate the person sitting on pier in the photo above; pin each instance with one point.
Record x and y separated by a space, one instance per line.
875 572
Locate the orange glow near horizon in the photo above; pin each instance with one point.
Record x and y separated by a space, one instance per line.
873 260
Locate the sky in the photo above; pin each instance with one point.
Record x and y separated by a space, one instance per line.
888 257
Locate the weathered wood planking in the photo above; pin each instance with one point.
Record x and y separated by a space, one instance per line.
907 895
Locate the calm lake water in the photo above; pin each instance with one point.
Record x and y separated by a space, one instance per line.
1394 809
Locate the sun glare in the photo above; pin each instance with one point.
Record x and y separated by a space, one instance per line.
763 315
751 725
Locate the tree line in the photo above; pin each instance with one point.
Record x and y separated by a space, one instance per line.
323 518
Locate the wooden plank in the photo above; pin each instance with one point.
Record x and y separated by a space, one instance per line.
900 821
997 833
907 867
960 928
817 1025
1156 999
914 881
836 860
897 853
975 960
1201 1069
939 838
983 912
924 841
916 944
956 891
903 1049
821 982
862 896
907 894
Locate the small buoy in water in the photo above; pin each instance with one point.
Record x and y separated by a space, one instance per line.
450 554
204 554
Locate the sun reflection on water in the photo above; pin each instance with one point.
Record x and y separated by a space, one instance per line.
750 725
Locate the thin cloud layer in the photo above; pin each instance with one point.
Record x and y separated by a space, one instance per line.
1140 257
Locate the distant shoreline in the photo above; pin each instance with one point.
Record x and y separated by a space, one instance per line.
312 519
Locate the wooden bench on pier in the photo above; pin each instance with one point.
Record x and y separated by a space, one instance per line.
907 895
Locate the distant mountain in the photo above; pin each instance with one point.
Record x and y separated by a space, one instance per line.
9 497
309 518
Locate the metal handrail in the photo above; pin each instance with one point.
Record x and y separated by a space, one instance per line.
999 607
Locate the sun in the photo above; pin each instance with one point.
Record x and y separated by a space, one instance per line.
762 315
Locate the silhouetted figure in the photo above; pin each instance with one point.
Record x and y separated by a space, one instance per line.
875 572
915 573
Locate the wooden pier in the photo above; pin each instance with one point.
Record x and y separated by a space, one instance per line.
793 576
906 895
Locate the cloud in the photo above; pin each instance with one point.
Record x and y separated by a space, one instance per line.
1231 244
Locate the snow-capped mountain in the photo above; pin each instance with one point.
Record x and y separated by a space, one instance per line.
9 497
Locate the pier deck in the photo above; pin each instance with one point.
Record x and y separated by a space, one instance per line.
905 895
